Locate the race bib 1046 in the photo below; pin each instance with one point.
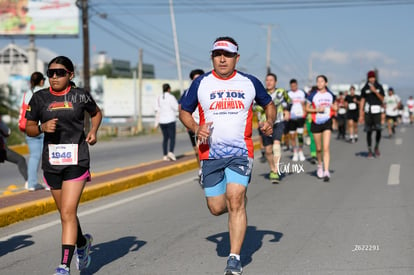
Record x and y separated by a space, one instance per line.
63 154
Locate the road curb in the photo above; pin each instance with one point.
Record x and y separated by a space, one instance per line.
20 212
22 149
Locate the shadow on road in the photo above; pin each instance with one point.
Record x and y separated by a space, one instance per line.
105 253
252 243
15 243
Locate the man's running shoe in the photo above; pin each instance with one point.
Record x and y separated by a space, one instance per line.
301 156
319 172
83 259
165 158
377 152
62 270
326 176
263 159
295 156
233 267
313 160
274 177
370 155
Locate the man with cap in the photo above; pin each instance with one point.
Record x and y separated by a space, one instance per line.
372 97
225 97
392 104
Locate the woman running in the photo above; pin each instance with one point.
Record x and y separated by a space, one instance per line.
321 103
65 157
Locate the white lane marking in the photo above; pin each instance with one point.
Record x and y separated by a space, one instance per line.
98 209
403 130
394 175
398 141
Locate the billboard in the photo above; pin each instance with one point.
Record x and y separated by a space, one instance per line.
39 17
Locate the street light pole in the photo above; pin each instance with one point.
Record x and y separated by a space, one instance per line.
177 51
85 33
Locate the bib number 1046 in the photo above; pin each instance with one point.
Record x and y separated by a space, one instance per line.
63 154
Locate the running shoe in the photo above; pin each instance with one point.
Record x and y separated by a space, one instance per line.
301 156
62 270
370 155
171 156
295 156
326 176
165 158
319 172
274 177
377 152
233 267
263 159
313 160
83 260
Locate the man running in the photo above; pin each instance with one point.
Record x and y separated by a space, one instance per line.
272 143
297 119
392 104
225 98
352 115
372 96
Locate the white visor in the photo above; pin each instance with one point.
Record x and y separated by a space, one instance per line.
225 45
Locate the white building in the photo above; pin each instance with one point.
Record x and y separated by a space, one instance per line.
17 61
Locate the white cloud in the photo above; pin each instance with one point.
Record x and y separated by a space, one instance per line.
372 56
331 55
360 56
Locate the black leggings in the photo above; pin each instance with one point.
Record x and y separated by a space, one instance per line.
377 138
168 133
19 160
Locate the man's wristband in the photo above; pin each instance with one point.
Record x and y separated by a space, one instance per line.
39 127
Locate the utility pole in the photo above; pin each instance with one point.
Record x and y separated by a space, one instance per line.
177 51
140 62
86 75
85 33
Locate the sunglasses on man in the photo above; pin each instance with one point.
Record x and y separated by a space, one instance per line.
58 72
225 53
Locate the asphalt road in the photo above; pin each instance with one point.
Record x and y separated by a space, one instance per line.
109 155
362 222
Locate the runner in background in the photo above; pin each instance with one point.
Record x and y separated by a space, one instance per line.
312 146
372 96
410 106
352 114
297 119
272 143
341 116
392 104
322 104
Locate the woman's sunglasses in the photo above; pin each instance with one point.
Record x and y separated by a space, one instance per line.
58 72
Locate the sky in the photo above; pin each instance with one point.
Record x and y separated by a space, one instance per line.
342 42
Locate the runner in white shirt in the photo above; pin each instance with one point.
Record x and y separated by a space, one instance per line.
322 105
297 119
392 104
410 106
225 99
